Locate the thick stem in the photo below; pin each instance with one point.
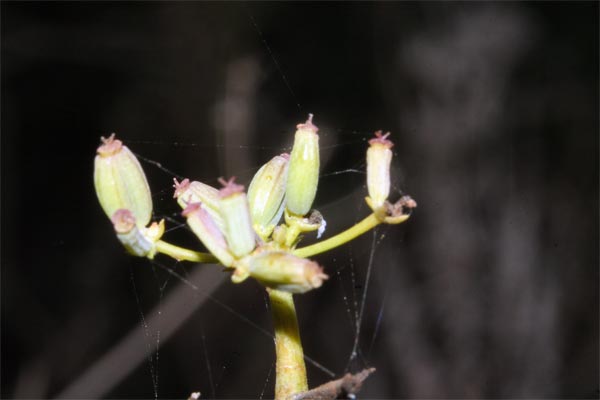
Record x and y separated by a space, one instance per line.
290 369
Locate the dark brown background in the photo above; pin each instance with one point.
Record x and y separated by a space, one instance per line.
490 290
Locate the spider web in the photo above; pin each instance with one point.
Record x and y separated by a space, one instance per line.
353 282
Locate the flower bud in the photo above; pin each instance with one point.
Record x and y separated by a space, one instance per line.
131 235
237 222
379 158
303 175
266 195
120 181
203 226
188 192
284 271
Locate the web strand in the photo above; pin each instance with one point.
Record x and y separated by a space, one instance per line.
346 302
242 317
159 165
272 55
266 381
146 335
208 368
354 353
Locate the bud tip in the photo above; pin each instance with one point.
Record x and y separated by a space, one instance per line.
109 146
191 208
308 125
123 220
180 187
229 187
380 138
315 275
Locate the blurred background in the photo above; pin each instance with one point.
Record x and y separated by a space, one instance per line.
490 290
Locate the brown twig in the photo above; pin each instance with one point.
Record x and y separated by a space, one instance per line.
343 388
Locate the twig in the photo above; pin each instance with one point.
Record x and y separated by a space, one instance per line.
343 388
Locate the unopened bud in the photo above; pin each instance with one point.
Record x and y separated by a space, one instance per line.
379 158
266 195
237 222
120 181
303 175
203 226
131 235
284 271
187 192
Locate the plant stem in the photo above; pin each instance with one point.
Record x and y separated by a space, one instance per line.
290 370
351 233
182 254
291 234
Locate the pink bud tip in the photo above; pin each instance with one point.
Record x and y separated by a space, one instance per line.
380 138
180 187
315 275
191 208
308 125
229 187
109 146
123 220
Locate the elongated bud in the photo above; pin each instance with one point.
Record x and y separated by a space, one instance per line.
187 192
203 226
379 158
131 235
120 181
266 195
284 271
303 174
237 222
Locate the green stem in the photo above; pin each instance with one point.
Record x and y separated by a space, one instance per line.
290 370
349 234
182 254
291 234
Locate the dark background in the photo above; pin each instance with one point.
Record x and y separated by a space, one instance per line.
489 291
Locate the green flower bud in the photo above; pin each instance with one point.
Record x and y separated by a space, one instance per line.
266 195
235 212
283 271
120 181
188 192
131 235
303 175
379 158
203 226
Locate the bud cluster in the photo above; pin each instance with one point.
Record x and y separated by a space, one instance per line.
242 230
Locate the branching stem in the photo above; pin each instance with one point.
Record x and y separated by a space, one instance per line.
349 234
370 222
182 254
